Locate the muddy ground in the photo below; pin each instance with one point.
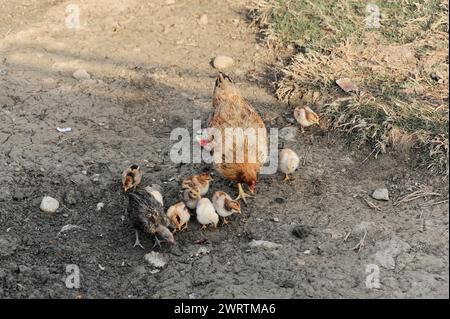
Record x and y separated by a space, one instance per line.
150 72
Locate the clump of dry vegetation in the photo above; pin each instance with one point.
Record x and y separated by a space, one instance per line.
400 69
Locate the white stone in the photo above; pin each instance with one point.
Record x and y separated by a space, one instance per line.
81 74
49 204
222 62
203 20
264 244
381 194
100 206
155 259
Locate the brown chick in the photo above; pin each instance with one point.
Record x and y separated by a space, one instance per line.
131 177
179 215
231 110
201 181
225 206
306 117
191 196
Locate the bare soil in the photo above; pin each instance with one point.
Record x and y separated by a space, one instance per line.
150 72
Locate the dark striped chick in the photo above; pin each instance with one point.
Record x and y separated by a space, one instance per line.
147 214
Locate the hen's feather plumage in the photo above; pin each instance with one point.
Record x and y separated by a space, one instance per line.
231 110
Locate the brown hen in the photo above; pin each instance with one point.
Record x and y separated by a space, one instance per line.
231 110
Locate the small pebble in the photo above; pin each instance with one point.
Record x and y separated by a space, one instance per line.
100 206
203 20
381 194
49 204
155 259
81 74
264 244
222 62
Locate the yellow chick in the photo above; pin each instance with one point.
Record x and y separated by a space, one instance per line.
179 215
202 181
225 206
306 117
191 196
288 162
206 213
131 177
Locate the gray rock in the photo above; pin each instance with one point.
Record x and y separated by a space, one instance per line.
264 244
222 62
49 204
381 194
388 250
81 74
288 133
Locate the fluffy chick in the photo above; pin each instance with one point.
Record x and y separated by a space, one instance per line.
306 117
225 206
206 213
131 177
201 181
179 215
191 196
288 162
147 213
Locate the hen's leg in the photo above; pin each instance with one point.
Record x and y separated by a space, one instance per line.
225 221
242 194
137 242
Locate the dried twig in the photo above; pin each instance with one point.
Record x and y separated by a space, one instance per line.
436 203
372 205
416 195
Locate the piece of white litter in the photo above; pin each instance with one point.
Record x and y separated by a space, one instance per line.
70 227
100 206
64 129
307 252
101 267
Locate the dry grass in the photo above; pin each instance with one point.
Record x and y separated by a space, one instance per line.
401 70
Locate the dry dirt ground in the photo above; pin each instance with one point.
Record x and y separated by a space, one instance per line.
150 73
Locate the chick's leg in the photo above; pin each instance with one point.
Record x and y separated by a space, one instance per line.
242 194
137 242
157 243
225 221
286 178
